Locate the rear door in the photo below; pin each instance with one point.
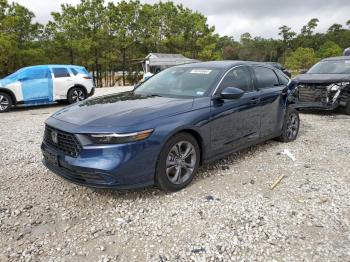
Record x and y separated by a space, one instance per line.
36 85
271 90
62 82
235 122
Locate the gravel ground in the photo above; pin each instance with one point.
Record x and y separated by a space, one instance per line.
229 211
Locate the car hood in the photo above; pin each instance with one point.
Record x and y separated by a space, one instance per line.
322 78
123 109
5 81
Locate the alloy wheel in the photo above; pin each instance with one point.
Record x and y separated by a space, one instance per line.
78 95
292 126
4 103
181 162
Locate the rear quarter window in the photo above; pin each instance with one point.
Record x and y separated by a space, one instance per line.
83 69
75 72
284 80
60 72
265 77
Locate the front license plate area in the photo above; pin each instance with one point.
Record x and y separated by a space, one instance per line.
51 158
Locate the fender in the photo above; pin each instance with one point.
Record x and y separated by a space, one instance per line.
9 92
192 130
80 86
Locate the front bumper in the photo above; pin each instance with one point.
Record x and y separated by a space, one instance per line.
315 105
125 166
320 96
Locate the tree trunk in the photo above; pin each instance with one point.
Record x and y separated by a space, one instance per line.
124 64
94 75
71 55
97 69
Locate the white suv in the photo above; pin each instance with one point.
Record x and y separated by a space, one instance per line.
45 84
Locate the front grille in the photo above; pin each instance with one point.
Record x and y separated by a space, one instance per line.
66 142
312 93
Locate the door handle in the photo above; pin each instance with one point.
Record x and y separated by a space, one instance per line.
255 101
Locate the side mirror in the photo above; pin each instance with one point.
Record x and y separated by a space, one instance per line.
303 71
230 93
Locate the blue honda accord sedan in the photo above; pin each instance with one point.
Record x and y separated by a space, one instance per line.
162 131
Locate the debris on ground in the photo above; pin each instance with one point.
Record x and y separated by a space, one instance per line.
289 154
277 182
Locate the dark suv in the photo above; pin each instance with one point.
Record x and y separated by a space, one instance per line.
325 86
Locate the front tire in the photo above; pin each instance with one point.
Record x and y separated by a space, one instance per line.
5 102
347 108
76 94
291 126
178 163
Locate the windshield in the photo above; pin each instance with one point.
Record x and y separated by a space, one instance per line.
331 67
15 74
180 81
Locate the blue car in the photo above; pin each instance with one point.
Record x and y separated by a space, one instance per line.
45 84
162 131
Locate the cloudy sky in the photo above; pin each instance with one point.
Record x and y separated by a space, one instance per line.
235 17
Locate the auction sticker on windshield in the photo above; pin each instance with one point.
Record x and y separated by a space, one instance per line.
201 71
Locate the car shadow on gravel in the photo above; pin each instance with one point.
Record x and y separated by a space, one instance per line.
235 158
34 108
131 194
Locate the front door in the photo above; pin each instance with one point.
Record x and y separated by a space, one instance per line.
272 103
235 122
36 85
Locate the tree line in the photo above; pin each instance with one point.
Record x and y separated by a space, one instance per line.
106 37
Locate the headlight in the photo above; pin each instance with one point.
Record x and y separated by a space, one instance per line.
120 138
335 87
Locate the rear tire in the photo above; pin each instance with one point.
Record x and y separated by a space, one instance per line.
291 126
76 94
178 163
5 102
347 108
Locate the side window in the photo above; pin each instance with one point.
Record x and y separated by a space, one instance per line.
60 72
33 74
284 80
75 72
238 77
266 77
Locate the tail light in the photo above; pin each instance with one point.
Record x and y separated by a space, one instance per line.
87 77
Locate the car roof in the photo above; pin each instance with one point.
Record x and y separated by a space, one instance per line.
226 64
336 58
52 66
272 63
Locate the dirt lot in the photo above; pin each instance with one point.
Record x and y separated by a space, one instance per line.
228 213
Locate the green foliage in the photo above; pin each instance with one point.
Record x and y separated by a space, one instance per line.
329 49
309 28
335 28
19 37
301 58
286 34
112 36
